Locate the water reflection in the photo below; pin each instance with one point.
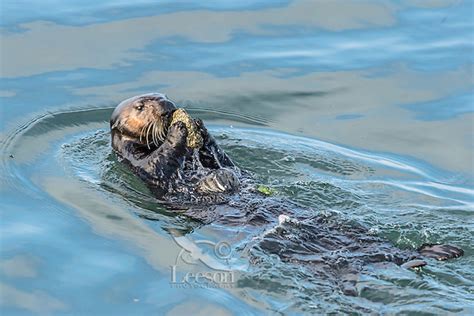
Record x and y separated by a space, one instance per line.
287 63
35 302
106 45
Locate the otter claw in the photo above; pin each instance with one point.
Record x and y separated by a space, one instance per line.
440 252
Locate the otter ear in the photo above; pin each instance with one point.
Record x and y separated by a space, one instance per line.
115 125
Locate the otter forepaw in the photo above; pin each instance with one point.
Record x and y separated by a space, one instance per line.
219 181
177 133
203 130
440 252
199 123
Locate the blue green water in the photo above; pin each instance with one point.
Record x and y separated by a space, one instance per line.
359 108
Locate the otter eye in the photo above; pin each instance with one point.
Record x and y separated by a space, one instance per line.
139 107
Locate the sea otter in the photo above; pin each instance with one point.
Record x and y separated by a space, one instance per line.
148 135
158 151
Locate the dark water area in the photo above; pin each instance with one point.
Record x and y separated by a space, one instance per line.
356 110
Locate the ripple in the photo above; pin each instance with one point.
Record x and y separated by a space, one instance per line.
398 200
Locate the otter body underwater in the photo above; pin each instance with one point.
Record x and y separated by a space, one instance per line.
185 168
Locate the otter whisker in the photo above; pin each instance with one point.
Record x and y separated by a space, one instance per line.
157 133
153 128
155 140
145 131
141 132
162 133
146 141
148 134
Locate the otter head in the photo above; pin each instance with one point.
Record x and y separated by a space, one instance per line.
142 119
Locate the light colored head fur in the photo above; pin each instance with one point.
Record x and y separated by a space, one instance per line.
144 119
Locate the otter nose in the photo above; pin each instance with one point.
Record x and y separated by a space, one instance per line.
166 106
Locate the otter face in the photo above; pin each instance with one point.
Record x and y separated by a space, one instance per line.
143 119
